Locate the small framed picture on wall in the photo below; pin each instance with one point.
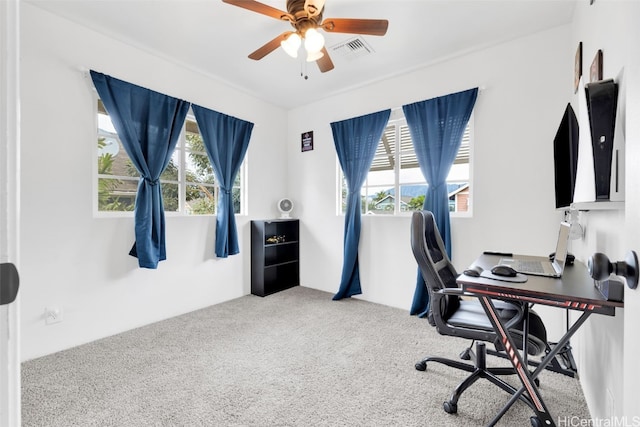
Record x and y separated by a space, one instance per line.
307 141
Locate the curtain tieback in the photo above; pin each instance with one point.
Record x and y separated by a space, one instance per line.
436 187
152 181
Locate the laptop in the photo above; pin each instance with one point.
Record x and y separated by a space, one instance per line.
543 266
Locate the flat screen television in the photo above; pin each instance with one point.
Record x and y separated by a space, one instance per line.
565 156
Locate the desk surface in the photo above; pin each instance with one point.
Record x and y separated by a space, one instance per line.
575 290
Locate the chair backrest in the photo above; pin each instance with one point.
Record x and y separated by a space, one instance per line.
433 261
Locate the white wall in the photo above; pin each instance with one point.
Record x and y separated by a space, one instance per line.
80 263
517 112
607 347
10 381
631 347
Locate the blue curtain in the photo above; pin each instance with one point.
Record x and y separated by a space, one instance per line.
356 141
437 126
148 124
226 140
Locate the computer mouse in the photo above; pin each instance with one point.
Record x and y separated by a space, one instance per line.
473 272
504 270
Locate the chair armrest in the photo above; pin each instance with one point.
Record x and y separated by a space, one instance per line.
451 291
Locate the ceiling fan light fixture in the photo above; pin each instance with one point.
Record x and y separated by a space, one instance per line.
314 56
313 41
291 45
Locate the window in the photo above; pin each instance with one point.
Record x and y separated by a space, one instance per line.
189 186
395 171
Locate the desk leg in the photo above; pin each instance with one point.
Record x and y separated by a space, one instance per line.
542 413
544 362
562 343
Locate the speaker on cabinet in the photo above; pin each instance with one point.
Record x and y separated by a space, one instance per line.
602 100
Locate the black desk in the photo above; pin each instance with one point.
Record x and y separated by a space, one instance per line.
575 291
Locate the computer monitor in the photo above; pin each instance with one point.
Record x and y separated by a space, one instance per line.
565 156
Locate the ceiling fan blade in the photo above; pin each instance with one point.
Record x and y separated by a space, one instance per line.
269 46
262 8
374 27
325 63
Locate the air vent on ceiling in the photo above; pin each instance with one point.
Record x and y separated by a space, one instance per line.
352 48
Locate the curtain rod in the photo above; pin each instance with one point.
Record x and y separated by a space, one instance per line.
480 89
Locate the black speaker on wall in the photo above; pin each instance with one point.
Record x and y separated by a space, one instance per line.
565 155
602 102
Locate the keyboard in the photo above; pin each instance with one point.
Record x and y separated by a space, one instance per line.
529 266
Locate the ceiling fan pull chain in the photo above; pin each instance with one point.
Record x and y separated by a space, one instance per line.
303 69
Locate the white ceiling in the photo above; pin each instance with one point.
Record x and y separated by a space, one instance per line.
215 38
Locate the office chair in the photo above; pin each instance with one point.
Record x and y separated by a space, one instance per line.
466 318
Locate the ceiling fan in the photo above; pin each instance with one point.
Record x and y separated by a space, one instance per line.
305 16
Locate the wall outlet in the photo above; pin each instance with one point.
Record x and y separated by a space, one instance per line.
52 315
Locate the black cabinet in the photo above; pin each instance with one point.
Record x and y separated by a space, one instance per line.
275 252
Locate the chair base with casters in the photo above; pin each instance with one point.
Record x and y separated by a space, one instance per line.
478 370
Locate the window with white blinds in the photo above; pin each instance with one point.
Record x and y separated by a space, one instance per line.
395 170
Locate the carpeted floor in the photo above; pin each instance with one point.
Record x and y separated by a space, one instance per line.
295 358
